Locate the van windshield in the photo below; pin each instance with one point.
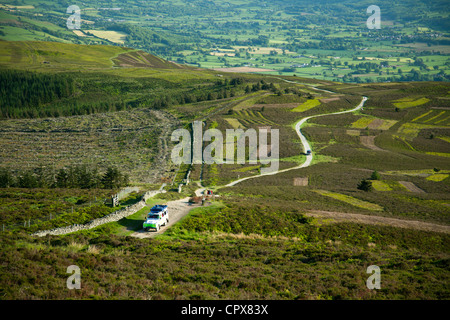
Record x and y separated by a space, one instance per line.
153 216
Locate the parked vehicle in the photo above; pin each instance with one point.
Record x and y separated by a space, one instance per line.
157 217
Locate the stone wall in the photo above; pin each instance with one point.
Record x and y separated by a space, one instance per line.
115 216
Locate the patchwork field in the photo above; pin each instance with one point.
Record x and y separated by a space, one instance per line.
234 123
372 123
252 117
306 233
435 117
410 102
411 130
351 200
262 50
438 177
243 70
307 105
249 101
113 36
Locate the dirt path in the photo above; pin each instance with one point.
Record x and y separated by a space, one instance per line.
177 210
335 217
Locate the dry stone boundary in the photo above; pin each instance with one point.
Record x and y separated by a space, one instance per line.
115 216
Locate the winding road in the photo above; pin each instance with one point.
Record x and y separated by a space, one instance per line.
306 145
180 208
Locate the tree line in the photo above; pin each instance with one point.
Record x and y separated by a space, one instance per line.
221 89
33 95
29 91
77 176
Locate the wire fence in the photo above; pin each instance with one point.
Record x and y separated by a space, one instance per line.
31 222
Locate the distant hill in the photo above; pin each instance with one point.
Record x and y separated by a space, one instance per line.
54 55
142 59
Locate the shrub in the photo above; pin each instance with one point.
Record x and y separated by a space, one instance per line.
375 176
365 185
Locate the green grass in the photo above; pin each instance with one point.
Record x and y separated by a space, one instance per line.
250 117
387 185
181 231
19 34
31 55
130 224
446 139
387 124
435 117
315 44
422 116
414 172
298 159
438 177
381 185
362 123
409 102
247 103
20 204
410 130
245 169
307 105
439 154
320 158
351 200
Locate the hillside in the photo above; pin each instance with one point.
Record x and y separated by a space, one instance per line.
327 40
42 56
143 60
264 238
